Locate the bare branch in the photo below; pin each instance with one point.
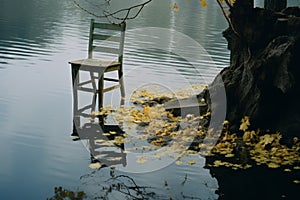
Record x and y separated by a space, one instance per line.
128 12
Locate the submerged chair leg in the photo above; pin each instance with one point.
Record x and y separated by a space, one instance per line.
75 82
122 87
94 98
100 91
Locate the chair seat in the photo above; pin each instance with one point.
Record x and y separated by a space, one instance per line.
96 64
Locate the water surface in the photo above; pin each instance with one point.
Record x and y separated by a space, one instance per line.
37 39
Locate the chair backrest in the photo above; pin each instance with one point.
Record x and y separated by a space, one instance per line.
106 38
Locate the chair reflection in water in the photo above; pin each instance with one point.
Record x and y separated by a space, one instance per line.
104 42
105 152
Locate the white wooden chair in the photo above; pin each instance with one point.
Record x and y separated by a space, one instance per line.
103 42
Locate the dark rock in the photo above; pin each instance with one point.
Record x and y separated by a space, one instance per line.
183 107
154 101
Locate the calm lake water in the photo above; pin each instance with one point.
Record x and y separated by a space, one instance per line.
37 39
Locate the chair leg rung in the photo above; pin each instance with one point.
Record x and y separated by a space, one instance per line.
111 88
84 83
85 108
86 89
111 79
85 115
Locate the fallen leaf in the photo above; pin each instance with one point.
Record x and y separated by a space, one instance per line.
140 160
296 181
191 162
203 3
96 165
245 123
273 165
178 162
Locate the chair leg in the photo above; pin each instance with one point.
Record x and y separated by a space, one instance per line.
94 98
74 132
100 91
122 87
75 82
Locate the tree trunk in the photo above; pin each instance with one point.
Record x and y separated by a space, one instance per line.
263 79
245 3
276 5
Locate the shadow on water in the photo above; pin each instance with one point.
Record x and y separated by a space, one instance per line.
258 182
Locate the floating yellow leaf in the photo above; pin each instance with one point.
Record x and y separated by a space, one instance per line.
296 181
229 155
100 141
178 162
273 165
249 136
245 123
218 163
119 140
140 160
159 142
247 166
174 6
96 165
226 122
266 139
191 162
203 3
146 111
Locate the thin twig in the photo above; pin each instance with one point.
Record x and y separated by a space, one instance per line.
135 187
185 179
107 14
123 19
